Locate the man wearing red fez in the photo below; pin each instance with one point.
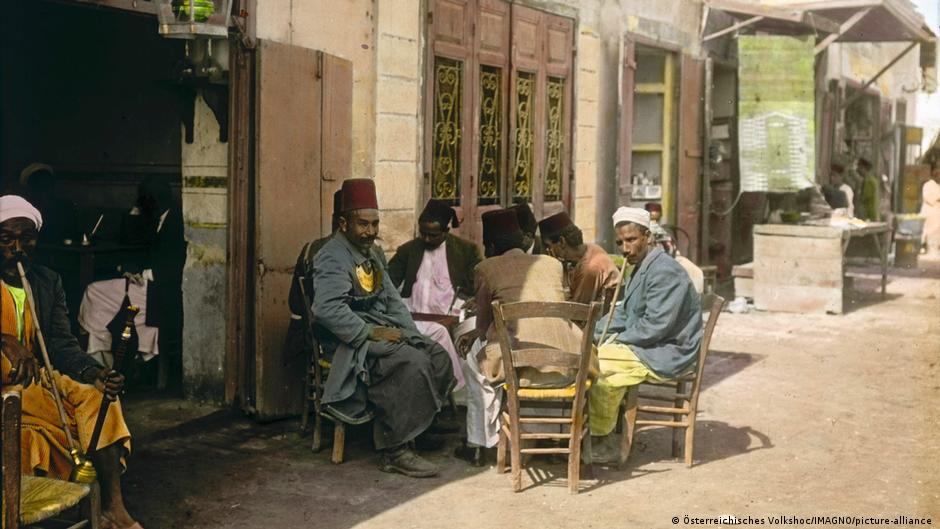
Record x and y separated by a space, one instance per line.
509 274
382 367
592 273
435 274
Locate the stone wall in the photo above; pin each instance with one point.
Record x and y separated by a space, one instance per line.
205 217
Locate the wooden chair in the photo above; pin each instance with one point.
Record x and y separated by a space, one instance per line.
576 394
317 371
684 402
29 500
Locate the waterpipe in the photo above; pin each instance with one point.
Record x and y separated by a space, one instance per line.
84 471
117 365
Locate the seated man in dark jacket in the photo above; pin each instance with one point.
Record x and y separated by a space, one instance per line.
381 365
433 271
81 380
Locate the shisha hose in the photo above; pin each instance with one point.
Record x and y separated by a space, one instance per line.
83 472
613 302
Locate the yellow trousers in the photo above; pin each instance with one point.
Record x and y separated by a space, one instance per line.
43 444
620 368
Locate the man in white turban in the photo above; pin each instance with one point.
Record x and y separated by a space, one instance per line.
44 446
654 334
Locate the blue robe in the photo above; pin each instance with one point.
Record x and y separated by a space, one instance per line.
660 317
404 383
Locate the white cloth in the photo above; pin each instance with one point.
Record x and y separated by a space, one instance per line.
433 293
14 206
930 210
849 199
634 215
101 302
483 401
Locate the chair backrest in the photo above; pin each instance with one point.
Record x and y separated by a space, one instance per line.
541 356
715 303
11 457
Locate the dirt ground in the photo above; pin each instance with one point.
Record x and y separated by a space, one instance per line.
800 415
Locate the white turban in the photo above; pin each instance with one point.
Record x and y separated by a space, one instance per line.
12 206
634 215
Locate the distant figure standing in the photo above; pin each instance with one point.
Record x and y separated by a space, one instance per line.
930 210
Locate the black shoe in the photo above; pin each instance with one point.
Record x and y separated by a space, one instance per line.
428 443
475 455
404 461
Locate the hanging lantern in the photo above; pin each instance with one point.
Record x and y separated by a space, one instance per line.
189 19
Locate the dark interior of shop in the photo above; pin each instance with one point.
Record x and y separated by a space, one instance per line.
90 93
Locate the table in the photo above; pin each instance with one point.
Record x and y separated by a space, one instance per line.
801 268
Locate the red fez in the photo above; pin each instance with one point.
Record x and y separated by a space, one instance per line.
653 207
359 193
499 223
551 226
337 201
864 162
837 167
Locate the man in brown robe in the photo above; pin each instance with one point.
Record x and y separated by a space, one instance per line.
592 271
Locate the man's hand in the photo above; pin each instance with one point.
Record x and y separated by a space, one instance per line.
109 382
25 369
136 279
470 306
386 334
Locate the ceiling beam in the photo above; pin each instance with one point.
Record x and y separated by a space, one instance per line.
847 25
732 28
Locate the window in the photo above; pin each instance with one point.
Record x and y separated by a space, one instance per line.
498 111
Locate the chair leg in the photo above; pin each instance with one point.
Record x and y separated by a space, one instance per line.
677 418
163 371
317 443
339 442
305 414
574 458
631 401
689 440
515 455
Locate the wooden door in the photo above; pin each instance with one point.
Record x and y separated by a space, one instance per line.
628 81
299 163
689 192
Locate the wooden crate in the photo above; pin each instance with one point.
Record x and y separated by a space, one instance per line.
798 268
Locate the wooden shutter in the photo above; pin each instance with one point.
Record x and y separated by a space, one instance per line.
524 116
450 79
689 195
626 122
298 165
556 166
336 145
490 124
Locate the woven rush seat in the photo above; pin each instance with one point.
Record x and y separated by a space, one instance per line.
551 393
44 498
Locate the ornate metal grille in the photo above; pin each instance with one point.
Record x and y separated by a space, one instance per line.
491 134
522 165
554 139
448 90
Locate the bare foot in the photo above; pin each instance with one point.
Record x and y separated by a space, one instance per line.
116 518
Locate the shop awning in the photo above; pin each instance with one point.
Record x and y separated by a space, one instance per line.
835 21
